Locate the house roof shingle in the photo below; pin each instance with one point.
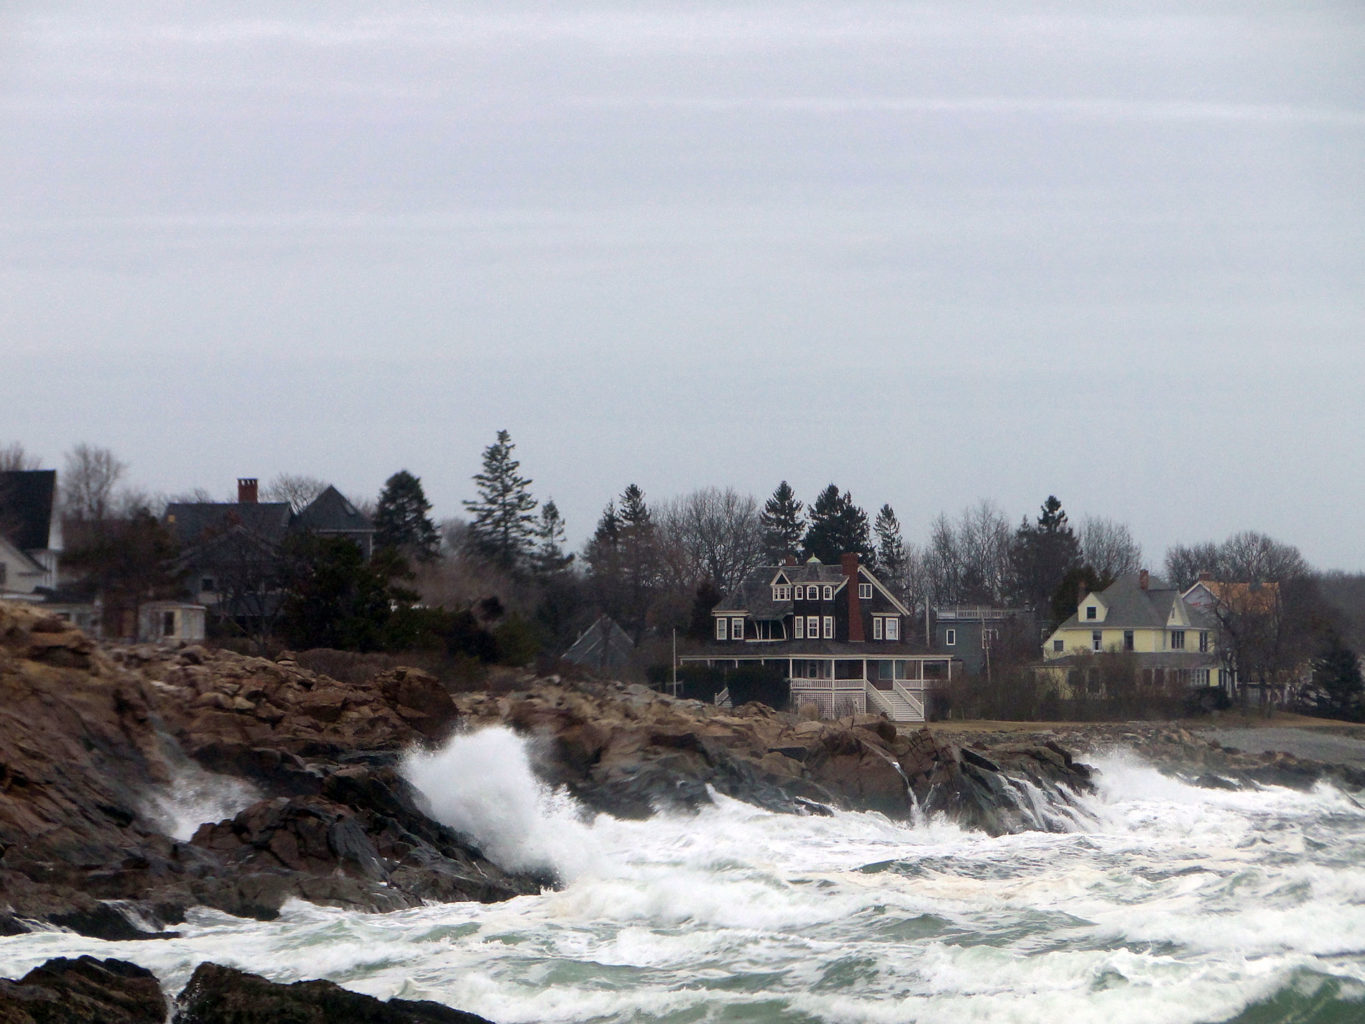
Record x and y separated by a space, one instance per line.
195 522
330 512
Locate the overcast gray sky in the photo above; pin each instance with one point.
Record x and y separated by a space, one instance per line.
930 252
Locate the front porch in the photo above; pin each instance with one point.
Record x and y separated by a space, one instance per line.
898 687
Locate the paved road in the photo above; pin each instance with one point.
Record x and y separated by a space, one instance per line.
1309 743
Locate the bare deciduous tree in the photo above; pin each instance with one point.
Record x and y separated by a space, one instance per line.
1108 547
88 482
968 560
297 489
13 456
711 534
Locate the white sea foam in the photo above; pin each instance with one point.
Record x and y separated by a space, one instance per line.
196 797
481 783
1169 904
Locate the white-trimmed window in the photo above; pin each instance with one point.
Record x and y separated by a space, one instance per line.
722 628
950 638
829 593
813 627
876 627
864 591
829 627
800 594
799 628
737 628
893 627
782 592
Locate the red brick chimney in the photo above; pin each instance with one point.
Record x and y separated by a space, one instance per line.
1082 592
247 491
849 563
1144 579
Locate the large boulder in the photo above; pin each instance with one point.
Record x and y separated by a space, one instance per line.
222 995
80 991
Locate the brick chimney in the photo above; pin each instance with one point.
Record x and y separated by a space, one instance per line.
247 491
849 563
1144 579
1082 592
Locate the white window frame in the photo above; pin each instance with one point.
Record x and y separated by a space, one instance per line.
864 591
829 592
876 627
829 627
799 627
737 627
799 594
950 638
813 627
722 628
782 591
893 627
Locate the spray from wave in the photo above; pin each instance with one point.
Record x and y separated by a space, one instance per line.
482 784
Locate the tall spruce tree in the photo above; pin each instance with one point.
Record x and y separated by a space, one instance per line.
892 559
401 520
1041 557
837 527
783 523
503 515
548 557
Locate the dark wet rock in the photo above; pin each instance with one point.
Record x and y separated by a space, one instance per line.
222 995
86 739
83 991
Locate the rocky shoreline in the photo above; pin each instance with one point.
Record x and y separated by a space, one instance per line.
95 742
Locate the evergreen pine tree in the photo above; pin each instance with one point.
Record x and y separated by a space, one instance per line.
783 524
1041 557
401 519
891 555
837 527
503 515
547 556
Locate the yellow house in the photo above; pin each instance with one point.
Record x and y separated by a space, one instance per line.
1171 639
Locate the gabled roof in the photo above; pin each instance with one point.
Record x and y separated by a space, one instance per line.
196 522
1129 606
602 645
330 512
27 498
1257 598
754 593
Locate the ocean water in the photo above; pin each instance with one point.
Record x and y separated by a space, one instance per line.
1164 903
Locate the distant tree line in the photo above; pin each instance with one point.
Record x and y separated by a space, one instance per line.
499 583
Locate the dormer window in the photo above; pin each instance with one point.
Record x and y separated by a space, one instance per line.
782 592
1091 611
